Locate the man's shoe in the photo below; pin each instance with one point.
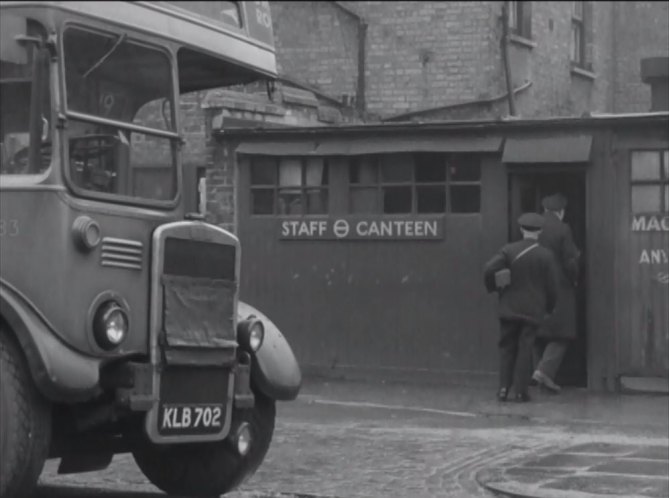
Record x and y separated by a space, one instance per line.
522 398
502 394
545 381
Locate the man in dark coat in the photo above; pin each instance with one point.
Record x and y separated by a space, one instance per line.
523 274
556 332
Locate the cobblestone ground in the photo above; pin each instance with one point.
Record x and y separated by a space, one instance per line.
348 461
328 448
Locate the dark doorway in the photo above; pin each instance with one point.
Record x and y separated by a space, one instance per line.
527 186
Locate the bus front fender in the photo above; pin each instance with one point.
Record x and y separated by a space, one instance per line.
274 368
60 373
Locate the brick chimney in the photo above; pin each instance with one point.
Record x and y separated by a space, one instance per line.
655 72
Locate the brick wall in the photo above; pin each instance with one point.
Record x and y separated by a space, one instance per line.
432 54
642 30
557 89
465 63
317 43
427 54
200 151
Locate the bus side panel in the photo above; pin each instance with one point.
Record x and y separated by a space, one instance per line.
41 260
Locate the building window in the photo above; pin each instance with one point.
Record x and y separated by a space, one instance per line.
520 18
650 181
578 40
464 173
289 186
422 183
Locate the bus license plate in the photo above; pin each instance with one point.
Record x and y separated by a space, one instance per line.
190 419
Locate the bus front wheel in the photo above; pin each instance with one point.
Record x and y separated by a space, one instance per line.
209 469
25 423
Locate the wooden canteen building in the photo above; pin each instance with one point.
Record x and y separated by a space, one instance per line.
365 243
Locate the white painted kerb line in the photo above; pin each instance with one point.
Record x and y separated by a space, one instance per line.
394 407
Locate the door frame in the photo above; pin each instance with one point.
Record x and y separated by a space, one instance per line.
574 176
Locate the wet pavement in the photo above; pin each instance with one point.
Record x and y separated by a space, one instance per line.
371 440
590 469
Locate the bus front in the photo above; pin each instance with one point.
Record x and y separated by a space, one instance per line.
119 306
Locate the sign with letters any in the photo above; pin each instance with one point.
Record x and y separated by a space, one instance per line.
367 228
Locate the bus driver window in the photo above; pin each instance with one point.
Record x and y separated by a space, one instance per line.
17 71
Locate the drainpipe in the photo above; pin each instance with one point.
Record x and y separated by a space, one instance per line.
505 58
458 105
614 57
362 42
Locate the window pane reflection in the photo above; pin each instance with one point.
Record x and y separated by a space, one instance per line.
396 200
646 198
645 165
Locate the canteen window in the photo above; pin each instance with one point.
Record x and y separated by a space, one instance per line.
289 186
419 183
649 175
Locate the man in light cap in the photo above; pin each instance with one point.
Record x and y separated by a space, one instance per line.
524 276
555 333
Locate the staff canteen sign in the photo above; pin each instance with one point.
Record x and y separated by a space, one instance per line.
415 228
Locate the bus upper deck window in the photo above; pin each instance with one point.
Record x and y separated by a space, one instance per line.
226 12
230 13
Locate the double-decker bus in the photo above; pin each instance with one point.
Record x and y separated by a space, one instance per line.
120 324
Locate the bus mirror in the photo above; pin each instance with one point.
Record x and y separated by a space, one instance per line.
12 29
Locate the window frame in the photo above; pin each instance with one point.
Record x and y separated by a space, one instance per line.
276 187
447 184
240 26
519 19
40 103
380 185
172 135
662 181
578 58
464 183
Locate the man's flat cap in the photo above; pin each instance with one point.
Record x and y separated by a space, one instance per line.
531 221
555 202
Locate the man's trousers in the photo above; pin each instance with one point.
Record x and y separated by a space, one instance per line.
515 354
548 356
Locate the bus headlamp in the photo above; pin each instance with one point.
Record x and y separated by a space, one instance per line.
110 325
250 334
256 336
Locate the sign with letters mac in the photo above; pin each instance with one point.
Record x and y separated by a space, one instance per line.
359 228
650 223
